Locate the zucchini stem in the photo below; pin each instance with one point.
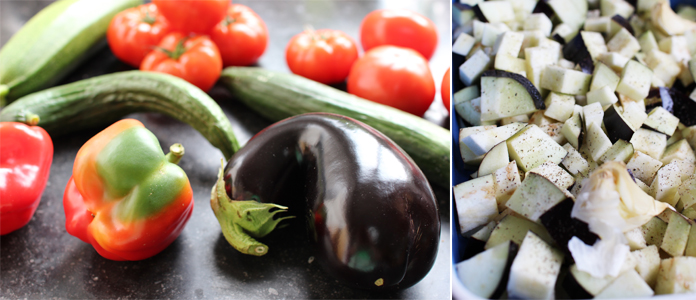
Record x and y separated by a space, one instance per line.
242 221
4 89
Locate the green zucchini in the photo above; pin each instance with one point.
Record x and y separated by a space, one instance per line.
53 43
104 99
276 96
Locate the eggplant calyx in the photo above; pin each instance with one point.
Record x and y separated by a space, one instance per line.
242 221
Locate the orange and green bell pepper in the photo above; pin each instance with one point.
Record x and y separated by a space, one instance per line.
126 197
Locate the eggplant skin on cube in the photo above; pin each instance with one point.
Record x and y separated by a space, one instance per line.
486 274
506 94
562 227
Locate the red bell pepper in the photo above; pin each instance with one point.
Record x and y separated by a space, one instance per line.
26 153
126 197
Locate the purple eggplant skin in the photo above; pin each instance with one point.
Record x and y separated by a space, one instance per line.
370 209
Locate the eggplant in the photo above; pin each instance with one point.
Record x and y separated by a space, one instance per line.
617 127
543 7
622 22
576 51
677 103
370 211
562 227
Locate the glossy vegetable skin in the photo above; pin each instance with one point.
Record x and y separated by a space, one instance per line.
26 153
188 16
399 27
53 43
276 96
241 36
445 90
373 215
126 197
394 76
134 32
324 55
102 100
195 59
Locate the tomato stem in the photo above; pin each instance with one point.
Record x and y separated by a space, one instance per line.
149 19
178 51
228 20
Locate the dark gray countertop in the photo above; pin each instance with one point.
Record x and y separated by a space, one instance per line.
42 260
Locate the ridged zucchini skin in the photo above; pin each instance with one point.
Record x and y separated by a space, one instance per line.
104 99
277 96
53 43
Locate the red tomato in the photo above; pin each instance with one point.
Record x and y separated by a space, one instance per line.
241 37
399 27
324 55
135 31
198 16
445 90
394 76
195 59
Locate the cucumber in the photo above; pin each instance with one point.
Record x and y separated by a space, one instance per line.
104 99
53 43
277 96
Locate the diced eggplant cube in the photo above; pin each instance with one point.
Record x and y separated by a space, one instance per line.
594 42
463 44
604 76
604 96
597 141
659 119
654 231
559 107
565 81
485 274
507 180
624 43
574 162
666 183
677 275
676 235
514 228
539 21
467 155
508 43
649 142
643 166
531 147
627 285
475 201
495 159
505 94
535 269
535 196
497 11
480 143
620 151
635 81
554 173
562 227
471 70
648 264
593 114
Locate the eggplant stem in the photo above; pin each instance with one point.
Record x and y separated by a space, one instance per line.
243 220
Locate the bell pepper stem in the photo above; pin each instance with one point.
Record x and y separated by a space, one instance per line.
176 152
242 219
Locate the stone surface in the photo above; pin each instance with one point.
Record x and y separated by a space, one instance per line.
42 260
